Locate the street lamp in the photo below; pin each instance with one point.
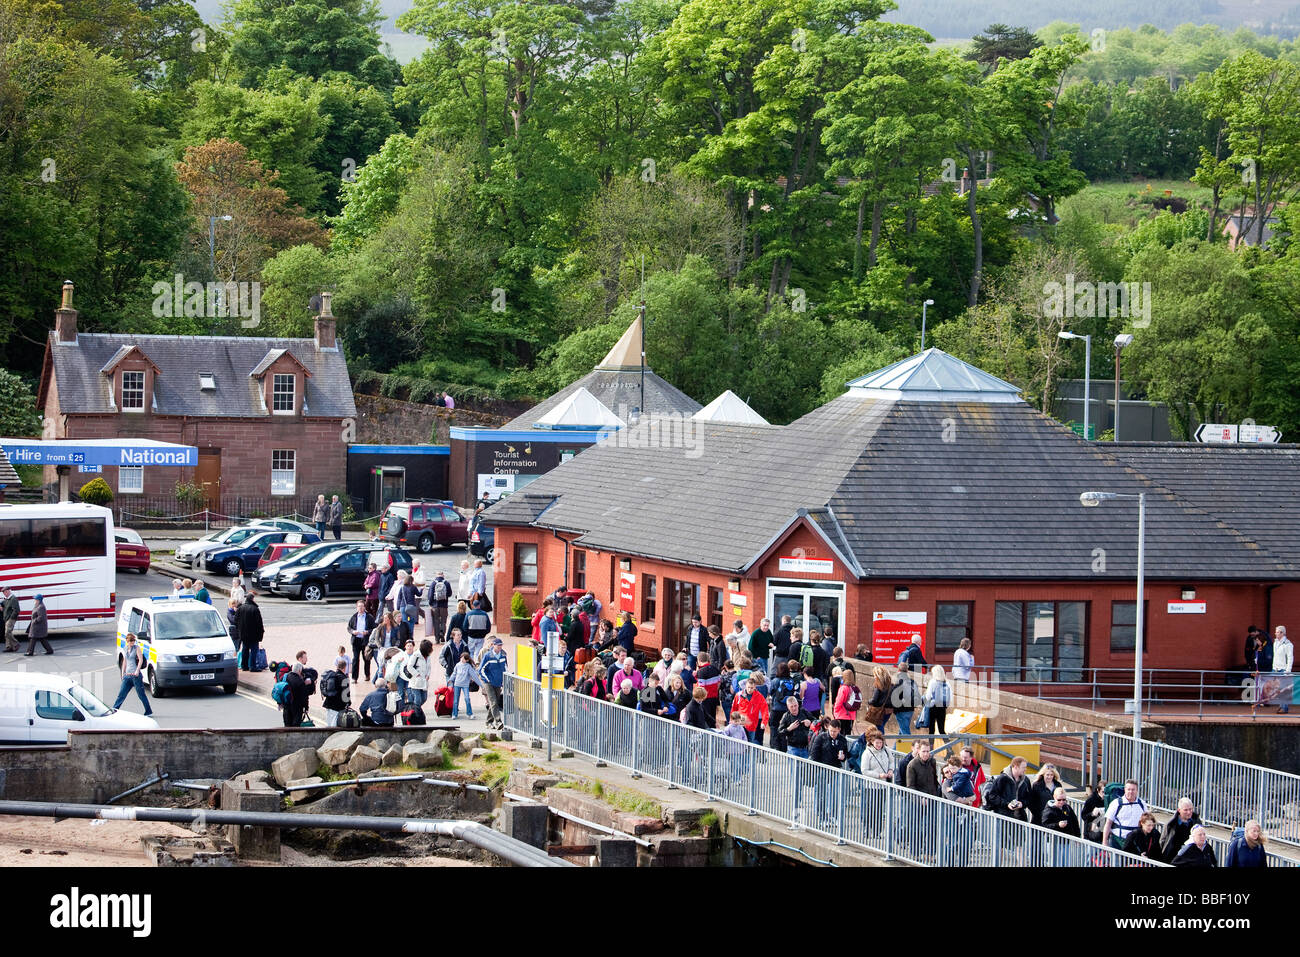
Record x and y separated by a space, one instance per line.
928 302
1087 375
212 241
1092 500
1122 340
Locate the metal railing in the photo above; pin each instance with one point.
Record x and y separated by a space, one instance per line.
1226 793
881 817
1178 692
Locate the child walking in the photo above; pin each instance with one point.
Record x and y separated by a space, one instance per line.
461 676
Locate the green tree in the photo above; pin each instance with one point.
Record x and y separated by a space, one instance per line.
1000 41
18 414
291 278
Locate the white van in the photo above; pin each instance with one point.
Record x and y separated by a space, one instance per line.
42 709
185 642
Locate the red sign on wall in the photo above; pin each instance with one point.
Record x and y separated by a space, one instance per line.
626 591
892 631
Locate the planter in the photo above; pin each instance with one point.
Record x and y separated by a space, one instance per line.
521 627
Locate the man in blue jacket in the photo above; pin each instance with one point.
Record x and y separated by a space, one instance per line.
493 671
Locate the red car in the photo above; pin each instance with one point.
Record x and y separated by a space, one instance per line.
132 552
278 551
423 525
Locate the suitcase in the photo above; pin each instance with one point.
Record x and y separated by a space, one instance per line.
443 699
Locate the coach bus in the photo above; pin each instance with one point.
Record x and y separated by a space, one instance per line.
66 554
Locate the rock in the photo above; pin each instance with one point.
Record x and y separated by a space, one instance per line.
422 756
256 779
450 738
380 745
300 796
479 752
469 744
364 759
491 736
338 747
292 767
392 757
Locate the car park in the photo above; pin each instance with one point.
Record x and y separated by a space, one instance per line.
422 525
284 524
338 573
42 709
232 559
185 643
262 579
132 552
191 553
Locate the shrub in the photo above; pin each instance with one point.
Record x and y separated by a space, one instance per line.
190 496
96 492
518 607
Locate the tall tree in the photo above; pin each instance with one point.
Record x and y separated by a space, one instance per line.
1000 41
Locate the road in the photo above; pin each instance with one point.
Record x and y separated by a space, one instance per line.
88 654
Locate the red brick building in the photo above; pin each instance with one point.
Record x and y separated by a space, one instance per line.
271 418
930 488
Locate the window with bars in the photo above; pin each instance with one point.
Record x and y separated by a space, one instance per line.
133 391
284 480
282 392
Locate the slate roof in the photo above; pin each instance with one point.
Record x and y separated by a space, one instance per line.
730 407
181 359
581 410
915 490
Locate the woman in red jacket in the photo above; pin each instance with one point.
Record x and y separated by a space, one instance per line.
847 701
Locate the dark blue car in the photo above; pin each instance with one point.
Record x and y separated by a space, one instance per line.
243 557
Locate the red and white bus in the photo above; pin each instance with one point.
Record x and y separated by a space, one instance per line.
66 554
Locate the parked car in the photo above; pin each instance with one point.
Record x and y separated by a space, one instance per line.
482 539
132 552
285 524
263 578
277 551
185 643
42 709
230 559
191 553
337 573
422 525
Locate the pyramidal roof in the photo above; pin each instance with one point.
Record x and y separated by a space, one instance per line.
626 353
729 407
933 376
580 410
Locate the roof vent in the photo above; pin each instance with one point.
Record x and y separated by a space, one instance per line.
207 381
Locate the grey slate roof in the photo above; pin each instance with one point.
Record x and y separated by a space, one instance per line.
920 490
618 391
181 359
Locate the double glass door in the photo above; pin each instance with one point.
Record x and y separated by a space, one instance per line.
809 605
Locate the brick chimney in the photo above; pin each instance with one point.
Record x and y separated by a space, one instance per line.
65 318
325 324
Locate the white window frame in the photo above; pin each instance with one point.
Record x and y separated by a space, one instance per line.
125 406
130 488
292 485
276 379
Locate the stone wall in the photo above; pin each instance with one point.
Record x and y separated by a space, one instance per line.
385 421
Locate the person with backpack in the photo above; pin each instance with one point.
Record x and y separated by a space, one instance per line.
309 674
294 698
878 707
1248 847
848 701
904 698
780 689
1123 816
938 699
336 690
912 656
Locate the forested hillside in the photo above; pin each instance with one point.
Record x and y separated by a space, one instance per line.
789 176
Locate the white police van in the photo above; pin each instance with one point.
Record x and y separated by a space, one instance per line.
185 643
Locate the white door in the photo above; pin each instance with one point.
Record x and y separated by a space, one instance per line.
809 605
56 715
15 715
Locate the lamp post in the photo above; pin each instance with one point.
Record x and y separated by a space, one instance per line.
1092 500
928 302
1087 375
1120 342
212 241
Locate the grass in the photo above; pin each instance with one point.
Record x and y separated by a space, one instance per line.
708 820
633 802
1129 201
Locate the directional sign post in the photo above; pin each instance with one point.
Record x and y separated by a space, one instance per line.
1216 432
1263 434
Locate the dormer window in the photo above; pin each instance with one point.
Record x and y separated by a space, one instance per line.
132 391
207 382
282 394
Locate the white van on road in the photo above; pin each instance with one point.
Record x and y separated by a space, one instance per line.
42 709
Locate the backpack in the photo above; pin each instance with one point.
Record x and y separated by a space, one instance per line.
413 715
329 685
281 668
903 694
349 719
856 751
941 694
806 655
441 589
309 678
280 693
